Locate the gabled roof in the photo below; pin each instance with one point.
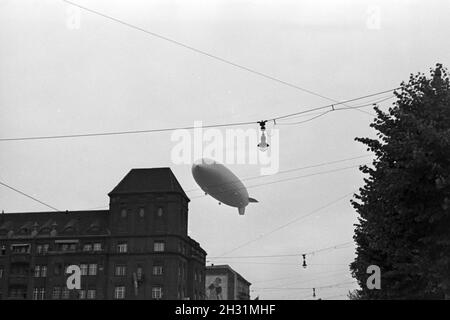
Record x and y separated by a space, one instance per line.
152 180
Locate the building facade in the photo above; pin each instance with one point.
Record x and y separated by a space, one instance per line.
223 283
138 249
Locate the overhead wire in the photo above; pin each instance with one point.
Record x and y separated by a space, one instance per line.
29 196
329 204
202 52
285 180
335 247
231 124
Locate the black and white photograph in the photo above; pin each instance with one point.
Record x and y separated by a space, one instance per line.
226 155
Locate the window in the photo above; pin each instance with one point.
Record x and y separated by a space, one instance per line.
65 293
56 293
119 292
82 294
158 246
91 293
1 272
139 273
93 269
38 293
123 213
141 212
84 269
20 248
157 292
57 269
160 212
122 247
35 293
37 271
87 247
97 246
68 247
121 271
158 270
42 248
43 271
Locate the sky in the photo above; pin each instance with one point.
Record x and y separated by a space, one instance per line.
60 77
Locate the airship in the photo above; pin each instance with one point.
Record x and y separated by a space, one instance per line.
221 184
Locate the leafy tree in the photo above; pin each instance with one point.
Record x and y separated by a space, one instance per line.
404 206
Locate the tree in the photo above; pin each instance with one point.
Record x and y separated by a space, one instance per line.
404 206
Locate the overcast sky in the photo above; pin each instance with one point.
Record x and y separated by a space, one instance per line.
103 76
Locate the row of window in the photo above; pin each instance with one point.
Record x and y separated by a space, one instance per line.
40 271
44 248
88 269
64 293
121 271
141 212
158 246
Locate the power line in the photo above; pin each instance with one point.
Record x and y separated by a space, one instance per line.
286 179
334 109
306 280
232 124
331 105
259 176
281 263
202 52
288 224
371 102
338 246
28 196
284 171
310 288
347 272
292 277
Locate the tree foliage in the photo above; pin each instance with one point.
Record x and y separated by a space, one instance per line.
404 205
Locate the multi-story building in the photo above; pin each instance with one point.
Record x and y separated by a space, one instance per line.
138 249
223 283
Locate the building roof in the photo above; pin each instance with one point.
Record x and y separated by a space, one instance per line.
228 268
22 224
149 181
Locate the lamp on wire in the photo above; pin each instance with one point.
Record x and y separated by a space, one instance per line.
263 145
